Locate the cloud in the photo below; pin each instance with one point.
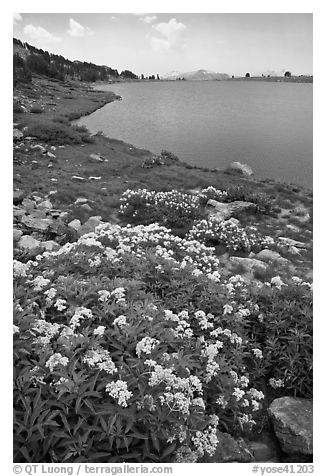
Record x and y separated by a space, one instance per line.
38 33
78 30
148 18
17 18
172 33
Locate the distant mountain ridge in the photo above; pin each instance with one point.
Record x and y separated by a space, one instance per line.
199 75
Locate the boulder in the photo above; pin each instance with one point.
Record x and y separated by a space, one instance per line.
18 212
18 196
90 225
50 245
229 450
39 147
37 213
75 224
292 420
289 242
250 264
262 451
17 134
269 255
96 158
241 169
86 207
80 201
222 211
45 204
77 178
28 204
37 224
28 242
17 234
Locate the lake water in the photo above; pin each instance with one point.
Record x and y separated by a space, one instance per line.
267 125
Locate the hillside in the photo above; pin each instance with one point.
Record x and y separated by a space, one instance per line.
30 60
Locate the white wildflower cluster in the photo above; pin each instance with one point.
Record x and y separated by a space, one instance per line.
89 239
101 359
120 321
99 331
55 360
205 441
20 269
119 295
96 261
138 240
146 345
181 393
231 235
15 329
257 353
60 304
276 383
204 320
81 313
212 193
182 329
184 204
119 391
50 295
298 281
46 330
40 282
277 282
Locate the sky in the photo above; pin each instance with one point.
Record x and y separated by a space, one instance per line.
157 43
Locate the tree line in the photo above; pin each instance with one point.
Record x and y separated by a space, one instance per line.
42 62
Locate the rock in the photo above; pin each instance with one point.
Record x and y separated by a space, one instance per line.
28 242
17 234
94 178
250 264
50 245
222 211
262 451
229 450
90 225
75 224
241 169
45 204
50 165
53 147
37 224
80 201
293 228
292 420
37 213
18 212
52 156
79 179
17 134
39 147
28 204
96 158
289 242
18 196
269 255
86 207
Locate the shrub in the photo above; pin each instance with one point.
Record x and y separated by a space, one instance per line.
113 369
264 203
54 132
172 208
230 235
